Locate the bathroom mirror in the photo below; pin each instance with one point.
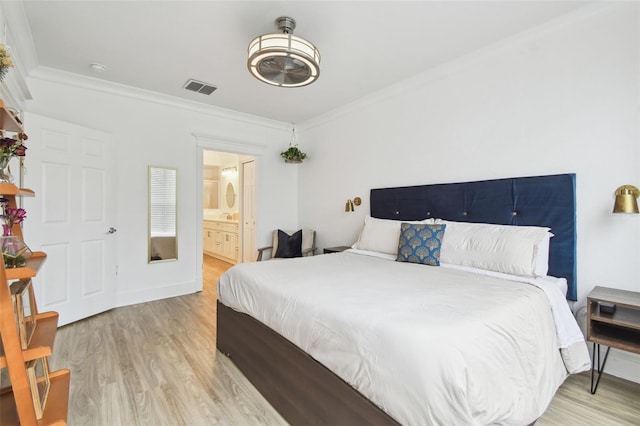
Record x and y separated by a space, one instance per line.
231 195
163 212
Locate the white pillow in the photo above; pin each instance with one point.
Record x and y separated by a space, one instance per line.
381 235
515 250
541 267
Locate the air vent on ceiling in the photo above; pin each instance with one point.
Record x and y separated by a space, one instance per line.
200 87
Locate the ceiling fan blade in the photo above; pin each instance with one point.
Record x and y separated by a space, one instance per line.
284 70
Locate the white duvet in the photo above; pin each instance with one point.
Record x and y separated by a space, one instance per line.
428 345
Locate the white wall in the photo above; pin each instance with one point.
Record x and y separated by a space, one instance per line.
563 98
150 131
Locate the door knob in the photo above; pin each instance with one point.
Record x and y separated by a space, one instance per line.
111 230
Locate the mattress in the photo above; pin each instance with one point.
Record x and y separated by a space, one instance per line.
427 345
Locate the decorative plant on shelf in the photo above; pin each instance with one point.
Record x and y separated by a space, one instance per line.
14 251
5 61
9 148
293 155
11 217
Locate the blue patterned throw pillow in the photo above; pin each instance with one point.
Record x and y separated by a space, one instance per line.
420 243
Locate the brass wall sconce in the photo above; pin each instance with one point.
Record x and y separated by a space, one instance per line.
349 207
626 199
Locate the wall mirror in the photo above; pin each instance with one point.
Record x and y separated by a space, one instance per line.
163 212
231 195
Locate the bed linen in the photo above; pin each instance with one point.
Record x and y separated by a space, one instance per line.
427 345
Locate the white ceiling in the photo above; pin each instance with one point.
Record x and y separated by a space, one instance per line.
364 45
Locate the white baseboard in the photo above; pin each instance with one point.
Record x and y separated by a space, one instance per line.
155 293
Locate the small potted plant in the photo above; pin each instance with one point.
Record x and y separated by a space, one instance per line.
293 155
14 251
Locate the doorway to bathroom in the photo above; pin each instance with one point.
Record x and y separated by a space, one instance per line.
228 194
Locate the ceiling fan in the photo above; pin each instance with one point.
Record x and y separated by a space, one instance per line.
282 59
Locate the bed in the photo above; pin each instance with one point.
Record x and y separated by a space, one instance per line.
365 339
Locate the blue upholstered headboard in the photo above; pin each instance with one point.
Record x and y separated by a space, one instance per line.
535 201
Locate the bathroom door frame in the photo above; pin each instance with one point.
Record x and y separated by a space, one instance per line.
212 143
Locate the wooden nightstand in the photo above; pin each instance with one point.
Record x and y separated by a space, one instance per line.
620 329
336 249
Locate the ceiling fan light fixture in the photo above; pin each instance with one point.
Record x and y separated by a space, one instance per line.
282 59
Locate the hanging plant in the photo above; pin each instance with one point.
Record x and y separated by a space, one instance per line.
293 155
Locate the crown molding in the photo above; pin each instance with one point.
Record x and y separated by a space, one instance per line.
14 91
444 70
95 84
27 66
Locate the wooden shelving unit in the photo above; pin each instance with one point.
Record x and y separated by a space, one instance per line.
28 271
16 402
42 340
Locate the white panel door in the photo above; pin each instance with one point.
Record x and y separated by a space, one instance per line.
248 211
71 169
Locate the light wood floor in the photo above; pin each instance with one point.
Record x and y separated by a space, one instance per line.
155 364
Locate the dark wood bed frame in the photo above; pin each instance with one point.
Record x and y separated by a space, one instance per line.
305 392
301 389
